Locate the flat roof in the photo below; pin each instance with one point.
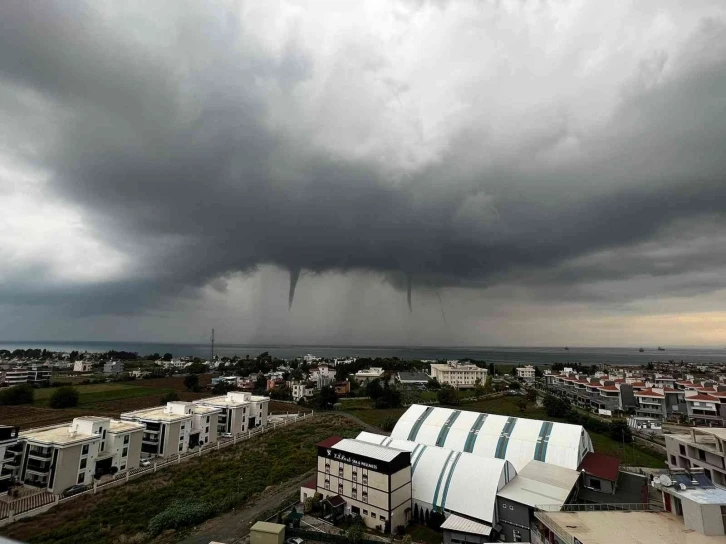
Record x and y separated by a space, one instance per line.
158 413
267 527
464 525
700 495
539 484
630 527
123 426
367 449
718 433
57 434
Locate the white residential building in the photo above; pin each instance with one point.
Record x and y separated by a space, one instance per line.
175 428
239 411
113 367
60 456
10 455
82 366
526 373
301 390
701 448
459 375
368 374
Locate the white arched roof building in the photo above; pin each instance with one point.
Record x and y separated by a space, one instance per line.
518 440
452 481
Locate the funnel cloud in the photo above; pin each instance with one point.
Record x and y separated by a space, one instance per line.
545 167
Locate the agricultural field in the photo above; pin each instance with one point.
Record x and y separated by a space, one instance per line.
212 484
98 393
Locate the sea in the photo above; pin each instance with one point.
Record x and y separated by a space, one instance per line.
496 355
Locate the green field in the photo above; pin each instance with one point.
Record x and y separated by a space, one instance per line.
631 454
91 394
217 481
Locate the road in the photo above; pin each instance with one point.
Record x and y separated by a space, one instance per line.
233 527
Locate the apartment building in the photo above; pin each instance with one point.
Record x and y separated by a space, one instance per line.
707 406
360 478
175 428
238 411
57 457
692 498
321 376
113 367
699 448
661 402
35 375
458 375
301 390
604 394
368 374
10 451
526 373
82 366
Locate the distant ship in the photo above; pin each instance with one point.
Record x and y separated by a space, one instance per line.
567 349
661 349
641 350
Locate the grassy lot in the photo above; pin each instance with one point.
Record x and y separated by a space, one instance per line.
219 480
630 454
96 393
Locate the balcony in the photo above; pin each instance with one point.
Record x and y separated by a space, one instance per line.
37 469
17 447
43 455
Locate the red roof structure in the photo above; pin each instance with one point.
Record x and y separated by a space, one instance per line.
311 484
330 441
601 466
708 398
649 393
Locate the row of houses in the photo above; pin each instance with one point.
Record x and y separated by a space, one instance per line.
33 374
57 457
701 402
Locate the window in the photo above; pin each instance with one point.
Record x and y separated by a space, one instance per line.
85 449
125 452
517 535
355 476
511 507
340 471
702 455
327 485
373 515
104 434
365 496
83 463
327 468
595 483
103 446
673 459
365 478
355 493
123 467
504 505
365 512
340 488
126 439
81 476
683 449
181 447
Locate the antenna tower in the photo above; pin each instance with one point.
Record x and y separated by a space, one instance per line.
211 347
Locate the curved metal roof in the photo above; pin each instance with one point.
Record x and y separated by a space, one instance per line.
451 480
517 440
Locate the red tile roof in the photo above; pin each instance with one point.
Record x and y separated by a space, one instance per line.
335 501
601 466
649 393
608 388
311 484
671 390
330 441
702 397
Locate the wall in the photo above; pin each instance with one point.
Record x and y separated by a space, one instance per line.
132 460
518 516
171 441
452 537
606 486
713 523
692 516
66 469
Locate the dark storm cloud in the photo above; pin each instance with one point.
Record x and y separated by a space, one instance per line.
169 150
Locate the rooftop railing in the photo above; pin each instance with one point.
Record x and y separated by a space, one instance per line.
623 507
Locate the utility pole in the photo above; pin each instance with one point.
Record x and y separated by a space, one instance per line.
211 347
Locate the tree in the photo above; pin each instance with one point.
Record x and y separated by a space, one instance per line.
196 368
434 384
281 393
537 372
388 424
488 386
620 432
296 374
222 387
555 406
492 369
260 384
515 385
522 404
416 517
191 382
374 389
327 398
17 394
64 397
448 395
167 357
513 372
172 396
355 533
478 388
558 367
426 517
308 505
531 395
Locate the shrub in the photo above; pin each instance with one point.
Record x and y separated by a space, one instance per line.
388 424
448 395
191 382
64 397
17 394
172 396
407 539
400 530
555 406
179 515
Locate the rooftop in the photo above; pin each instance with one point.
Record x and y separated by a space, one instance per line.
540 483
59 435
630 527
266 527
330 441
124 426
465 525
601 465
367 449
159 413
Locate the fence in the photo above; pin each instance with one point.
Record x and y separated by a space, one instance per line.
41 502
623 507
324 537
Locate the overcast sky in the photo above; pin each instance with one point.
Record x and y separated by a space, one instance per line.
535 173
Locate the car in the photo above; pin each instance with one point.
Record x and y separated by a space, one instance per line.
227 435
74 490
145 463
295 540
